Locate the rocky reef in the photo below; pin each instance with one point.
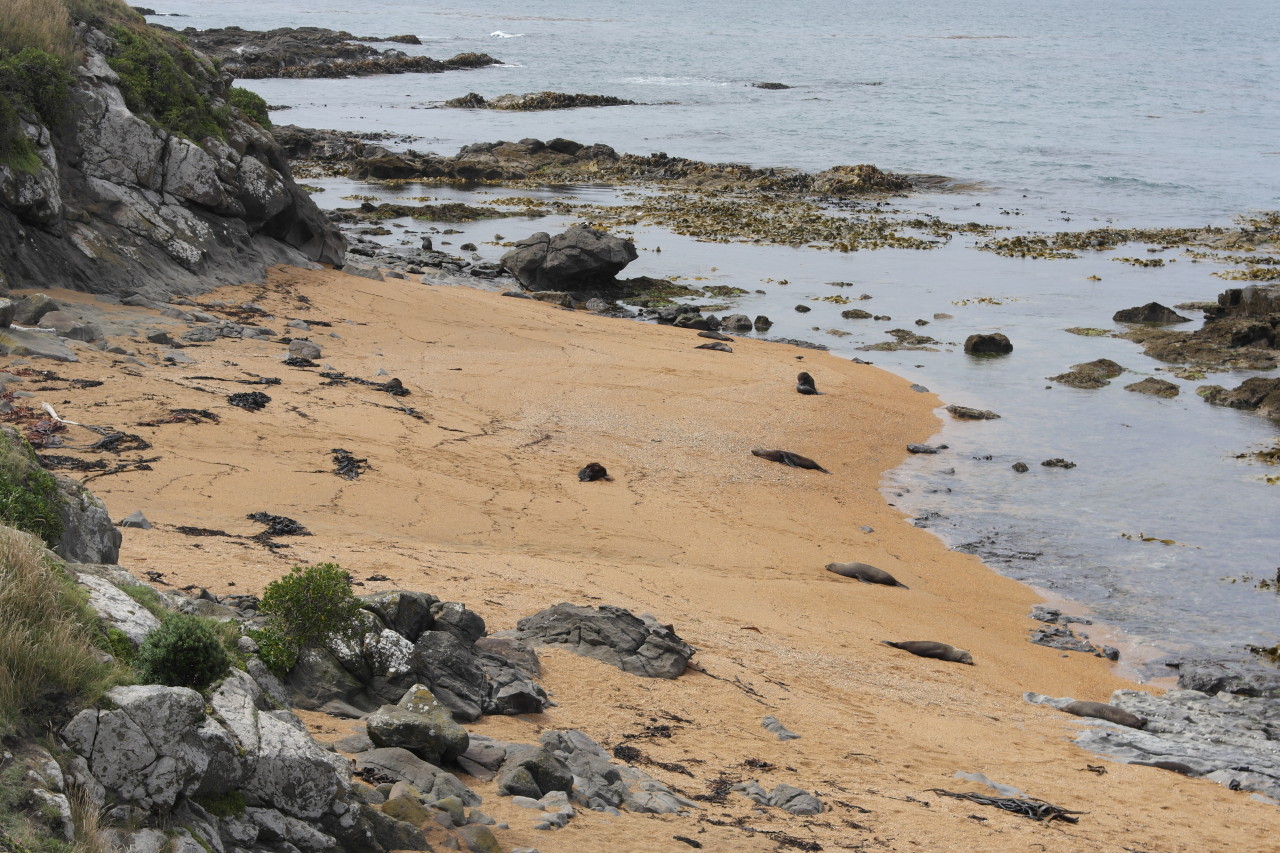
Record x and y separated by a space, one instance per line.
131 194
316 52
536 101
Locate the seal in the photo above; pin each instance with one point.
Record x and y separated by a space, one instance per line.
864 573
594 471
718 346
1103 711
786 457
715 336
931 649
804 384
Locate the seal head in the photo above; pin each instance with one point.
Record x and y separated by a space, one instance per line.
593 471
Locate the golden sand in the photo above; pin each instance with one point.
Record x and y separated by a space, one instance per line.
478 502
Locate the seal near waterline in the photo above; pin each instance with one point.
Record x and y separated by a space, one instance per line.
865 573
718 346
715 336
593 471
786 457
1103 711
931 649
804 384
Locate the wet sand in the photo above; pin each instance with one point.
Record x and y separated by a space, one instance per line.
478 501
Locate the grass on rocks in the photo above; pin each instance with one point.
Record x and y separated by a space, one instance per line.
48 659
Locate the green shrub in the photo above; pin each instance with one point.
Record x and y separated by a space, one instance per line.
183 652
307 607
158 76
230 804
36 83
29 497
251 104
47 633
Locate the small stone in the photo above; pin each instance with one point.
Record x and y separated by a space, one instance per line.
302 348
1020 467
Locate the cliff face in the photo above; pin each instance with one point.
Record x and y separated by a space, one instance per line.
121 206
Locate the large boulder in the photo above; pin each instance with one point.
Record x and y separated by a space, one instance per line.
453 672
988 344
420 724
1258 393
634 644
580 259
118 610
533 772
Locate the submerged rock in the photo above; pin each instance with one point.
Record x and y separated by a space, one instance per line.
988 344
1155 387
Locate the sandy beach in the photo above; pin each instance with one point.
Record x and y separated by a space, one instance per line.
471 494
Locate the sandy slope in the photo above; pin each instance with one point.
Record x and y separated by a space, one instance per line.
478 502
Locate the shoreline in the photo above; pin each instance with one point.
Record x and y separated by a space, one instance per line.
692 530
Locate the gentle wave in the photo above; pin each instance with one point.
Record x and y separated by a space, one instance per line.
674 81
499 34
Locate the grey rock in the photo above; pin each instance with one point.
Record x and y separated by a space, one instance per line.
455 618
60 819
395 834
88 534
581 258
533 772
406 613
513 651
7 308
363 272
136 520
318 681
71 327
794 800
420 724
292 773
774 726
300 348
736 323
452 670
30 308
1211 676
353 743
638 645
400 765
118 610
29 344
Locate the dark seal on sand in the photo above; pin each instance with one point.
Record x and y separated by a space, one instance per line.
717 346
804 384
864 573
715 336
1103 711
594 471
786 457
931 649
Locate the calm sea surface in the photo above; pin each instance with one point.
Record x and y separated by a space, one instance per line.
1066 115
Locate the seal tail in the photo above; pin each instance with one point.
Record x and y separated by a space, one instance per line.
891 645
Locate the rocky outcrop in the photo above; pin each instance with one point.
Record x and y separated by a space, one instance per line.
316 52
559 160
635 644
1257 394
581 258
121 206
413 639
1154 387
536 101
1241 333
1090 374
1228 739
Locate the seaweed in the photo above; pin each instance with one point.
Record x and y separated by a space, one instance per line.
347 466
250 401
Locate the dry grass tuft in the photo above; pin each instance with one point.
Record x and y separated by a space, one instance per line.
44 24
46 632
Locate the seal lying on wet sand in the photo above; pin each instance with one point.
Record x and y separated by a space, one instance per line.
931 649
1103 711
804 384
786 457
594 471
715 336
717 346
864 573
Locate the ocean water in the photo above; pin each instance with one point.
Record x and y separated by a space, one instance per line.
1061 115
